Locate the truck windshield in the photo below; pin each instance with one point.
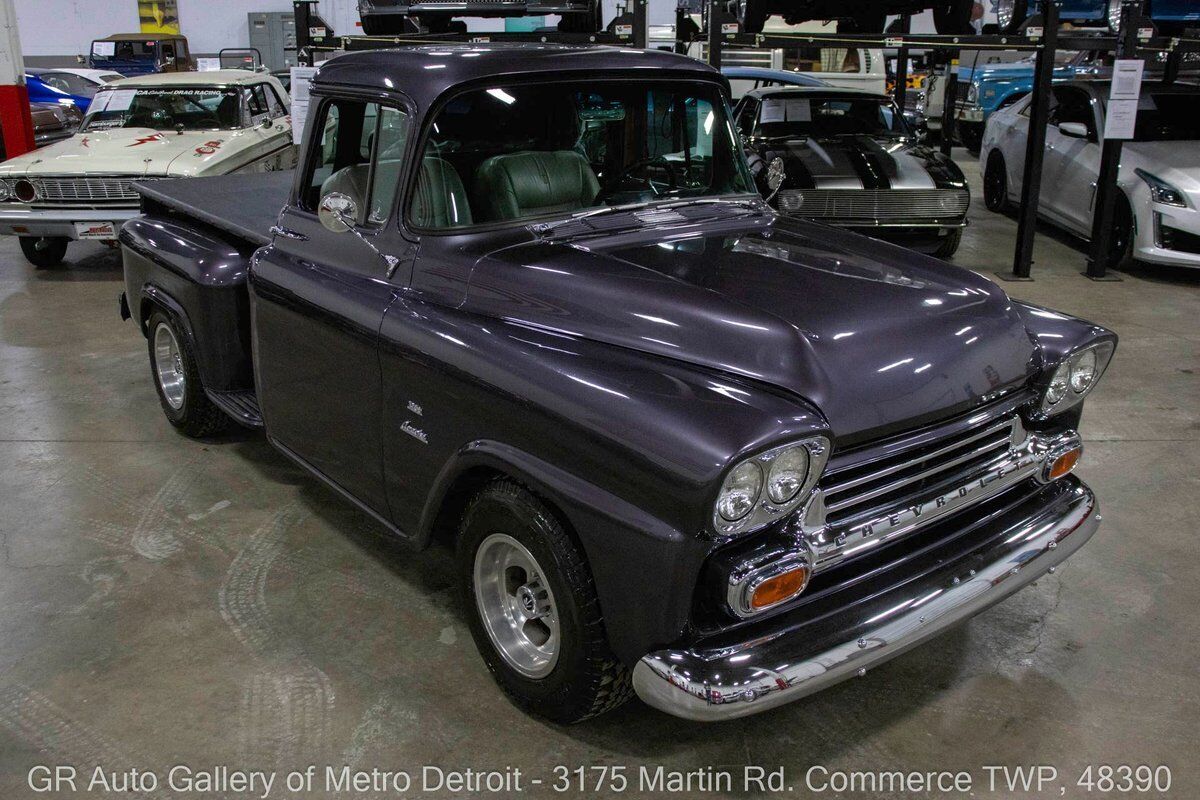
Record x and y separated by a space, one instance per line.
195 108
803 116
528 151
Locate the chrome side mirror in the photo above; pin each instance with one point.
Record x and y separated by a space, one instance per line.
1076 130
775 176
337 212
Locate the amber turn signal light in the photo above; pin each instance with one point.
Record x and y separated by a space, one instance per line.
779 588
1064 463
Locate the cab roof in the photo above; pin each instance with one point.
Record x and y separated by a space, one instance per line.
140 37
425 72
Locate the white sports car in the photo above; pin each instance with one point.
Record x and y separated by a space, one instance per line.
171 125
1157 214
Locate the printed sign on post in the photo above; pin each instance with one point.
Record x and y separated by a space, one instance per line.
1123 98
301 84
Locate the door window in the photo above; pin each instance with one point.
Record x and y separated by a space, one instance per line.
1072 105
745 117
360 154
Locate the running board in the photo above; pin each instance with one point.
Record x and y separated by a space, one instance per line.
241 405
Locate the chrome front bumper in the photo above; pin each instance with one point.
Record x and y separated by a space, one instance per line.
26 221
777 668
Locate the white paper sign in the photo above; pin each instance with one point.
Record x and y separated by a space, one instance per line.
104 49
120 99
208 64
799 110
301 84
1123 98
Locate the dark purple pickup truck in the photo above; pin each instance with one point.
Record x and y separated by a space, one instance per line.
526 301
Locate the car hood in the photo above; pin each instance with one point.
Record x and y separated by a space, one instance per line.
878 338
1168 160
860 162
128 151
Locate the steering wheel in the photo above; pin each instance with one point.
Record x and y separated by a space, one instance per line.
649 183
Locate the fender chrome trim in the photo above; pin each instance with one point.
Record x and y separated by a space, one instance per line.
770 670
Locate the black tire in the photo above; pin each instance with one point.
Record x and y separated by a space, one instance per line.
379 25
195 415
44 251
948 244
581 23
864 22
971 136
953 18
752 15
1121 247
995 184
586 679
1020 12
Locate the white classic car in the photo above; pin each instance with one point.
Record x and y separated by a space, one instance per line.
1157 213
172 125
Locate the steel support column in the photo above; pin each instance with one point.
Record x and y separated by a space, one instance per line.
1031 179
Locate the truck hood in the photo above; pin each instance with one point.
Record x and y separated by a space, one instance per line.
878 338
129 151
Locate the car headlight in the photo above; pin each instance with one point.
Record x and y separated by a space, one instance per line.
1075 377
1161 191
973 93
763 488
5 191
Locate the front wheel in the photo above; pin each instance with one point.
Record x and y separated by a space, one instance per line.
533 610
948 245
1011 14
971 136
953 18
44 251
177 380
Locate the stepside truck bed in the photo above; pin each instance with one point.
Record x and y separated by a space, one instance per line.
245 206
188 256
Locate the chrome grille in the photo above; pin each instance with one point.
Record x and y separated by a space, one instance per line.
874 205
60 191
962 90
872 489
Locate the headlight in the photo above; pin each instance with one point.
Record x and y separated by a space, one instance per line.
1075 377
973 94
765 487
5 191
1161 191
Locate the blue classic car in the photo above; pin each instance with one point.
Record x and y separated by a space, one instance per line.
42 92
1170 16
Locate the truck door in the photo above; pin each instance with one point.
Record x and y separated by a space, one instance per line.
318 296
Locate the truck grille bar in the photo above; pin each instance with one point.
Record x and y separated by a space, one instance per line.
892 488
874 205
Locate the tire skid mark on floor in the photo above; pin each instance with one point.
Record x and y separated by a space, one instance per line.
34 719
287 703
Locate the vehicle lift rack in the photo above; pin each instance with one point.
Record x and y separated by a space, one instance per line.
1040 36
628 29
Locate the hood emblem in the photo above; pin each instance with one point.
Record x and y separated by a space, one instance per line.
145 140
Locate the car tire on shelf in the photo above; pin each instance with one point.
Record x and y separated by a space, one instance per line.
995 184
177 379
948 244
532 608
953 18
752 15
1012 14
44 251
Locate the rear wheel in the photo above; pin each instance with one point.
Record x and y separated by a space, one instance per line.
44 251
1121 245
177 380
971 136
533 610
581 23
995 184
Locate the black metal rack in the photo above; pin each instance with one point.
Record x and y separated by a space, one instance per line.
1041 37
627 29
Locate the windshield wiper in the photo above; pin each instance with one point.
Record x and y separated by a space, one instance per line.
546 228
543 229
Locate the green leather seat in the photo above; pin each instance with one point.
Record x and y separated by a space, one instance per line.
526 184
440 201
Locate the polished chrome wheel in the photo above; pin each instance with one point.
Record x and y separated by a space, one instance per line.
168 366
516 605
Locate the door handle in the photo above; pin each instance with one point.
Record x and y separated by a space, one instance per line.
279 230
